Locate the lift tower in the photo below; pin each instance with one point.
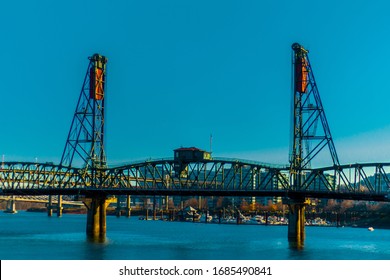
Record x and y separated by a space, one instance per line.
308 138
85 142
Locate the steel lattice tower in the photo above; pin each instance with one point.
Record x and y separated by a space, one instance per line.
309 139
85 143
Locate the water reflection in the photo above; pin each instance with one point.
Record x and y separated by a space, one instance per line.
96 248
296 244
97 239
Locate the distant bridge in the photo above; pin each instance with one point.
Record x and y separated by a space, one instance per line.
39 199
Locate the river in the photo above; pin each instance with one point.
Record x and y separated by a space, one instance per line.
35 236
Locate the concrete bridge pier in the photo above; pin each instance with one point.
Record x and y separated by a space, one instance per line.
59 206
166 203
96 216
118 209
128 208
11 206
154 209
50 206
296 222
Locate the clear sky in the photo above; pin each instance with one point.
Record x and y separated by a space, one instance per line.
179 71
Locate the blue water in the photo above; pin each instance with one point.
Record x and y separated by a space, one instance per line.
31 236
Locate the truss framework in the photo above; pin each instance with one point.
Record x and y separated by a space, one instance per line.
310 129
212 178
85 142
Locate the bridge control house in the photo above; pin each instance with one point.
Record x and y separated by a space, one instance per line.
191 154
186 155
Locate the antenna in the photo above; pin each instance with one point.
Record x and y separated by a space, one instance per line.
211 143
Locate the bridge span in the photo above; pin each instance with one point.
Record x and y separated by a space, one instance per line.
211 177
193 172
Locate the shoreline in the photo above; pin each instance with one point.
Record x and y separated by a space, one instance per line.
363 223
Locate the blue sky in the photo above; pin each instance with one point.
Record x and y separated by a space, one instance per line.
179 71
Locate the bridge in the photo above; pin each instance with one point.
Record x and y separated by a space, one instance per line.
193 172
51 202
211 177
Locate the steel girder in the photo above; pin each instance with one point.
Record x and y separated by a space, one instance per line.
369 181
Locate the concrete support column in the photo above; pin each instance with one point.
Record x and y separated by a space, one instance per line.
166 203
50 206
59 206
118 209
296 222
96 216
154 209
11 206
103 217
128 207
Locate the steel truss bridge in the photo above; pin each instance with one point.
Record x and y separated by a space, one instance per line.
215 177
197 173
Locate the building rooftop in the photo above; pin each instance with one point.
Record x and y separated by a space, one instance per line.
189 149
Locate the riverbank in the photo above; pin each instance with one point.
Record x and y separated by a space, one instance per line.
377 220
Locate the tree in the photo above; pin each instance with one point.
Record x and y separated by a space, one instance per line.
223 202
332 205
345 205
271 206
244 205
193 202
